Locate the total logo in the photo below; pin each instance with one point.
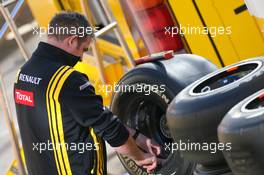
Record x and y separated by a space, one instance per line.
24 97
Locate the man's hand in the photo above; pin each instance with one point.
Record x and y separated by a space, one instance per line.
148 145
131 149
149 162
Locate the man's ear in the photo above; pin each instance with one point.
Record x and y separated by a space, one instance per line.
72 40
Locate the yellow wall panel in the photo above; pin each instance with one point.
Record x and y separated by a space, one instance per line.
186 15
246 36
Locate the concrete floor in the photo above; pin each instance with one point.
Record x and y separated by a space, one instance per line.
10 61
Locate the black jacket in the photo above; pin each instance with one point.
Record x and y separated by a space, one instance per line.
62 121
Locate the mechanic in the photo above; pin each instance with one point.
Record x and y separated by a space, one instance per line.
57 106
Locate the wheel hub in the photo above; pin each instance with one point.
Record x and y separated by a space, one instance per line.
164 127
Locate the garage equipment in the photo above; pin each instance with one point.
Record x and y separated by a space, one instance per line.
155 57
111 26
10 23
151 18
4 100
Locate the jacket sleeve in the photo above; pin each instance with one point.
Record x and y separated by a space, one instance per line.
78 95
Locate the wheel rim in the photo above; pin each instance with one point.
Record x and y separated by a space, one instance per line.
225 77
256 103
148 117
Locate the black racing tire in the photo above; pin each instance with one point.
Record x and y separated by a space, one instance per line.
196 112
243 128
146 111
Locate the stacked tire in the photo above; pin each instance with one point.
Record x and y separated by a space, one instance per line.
195 113
243 126
145 110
